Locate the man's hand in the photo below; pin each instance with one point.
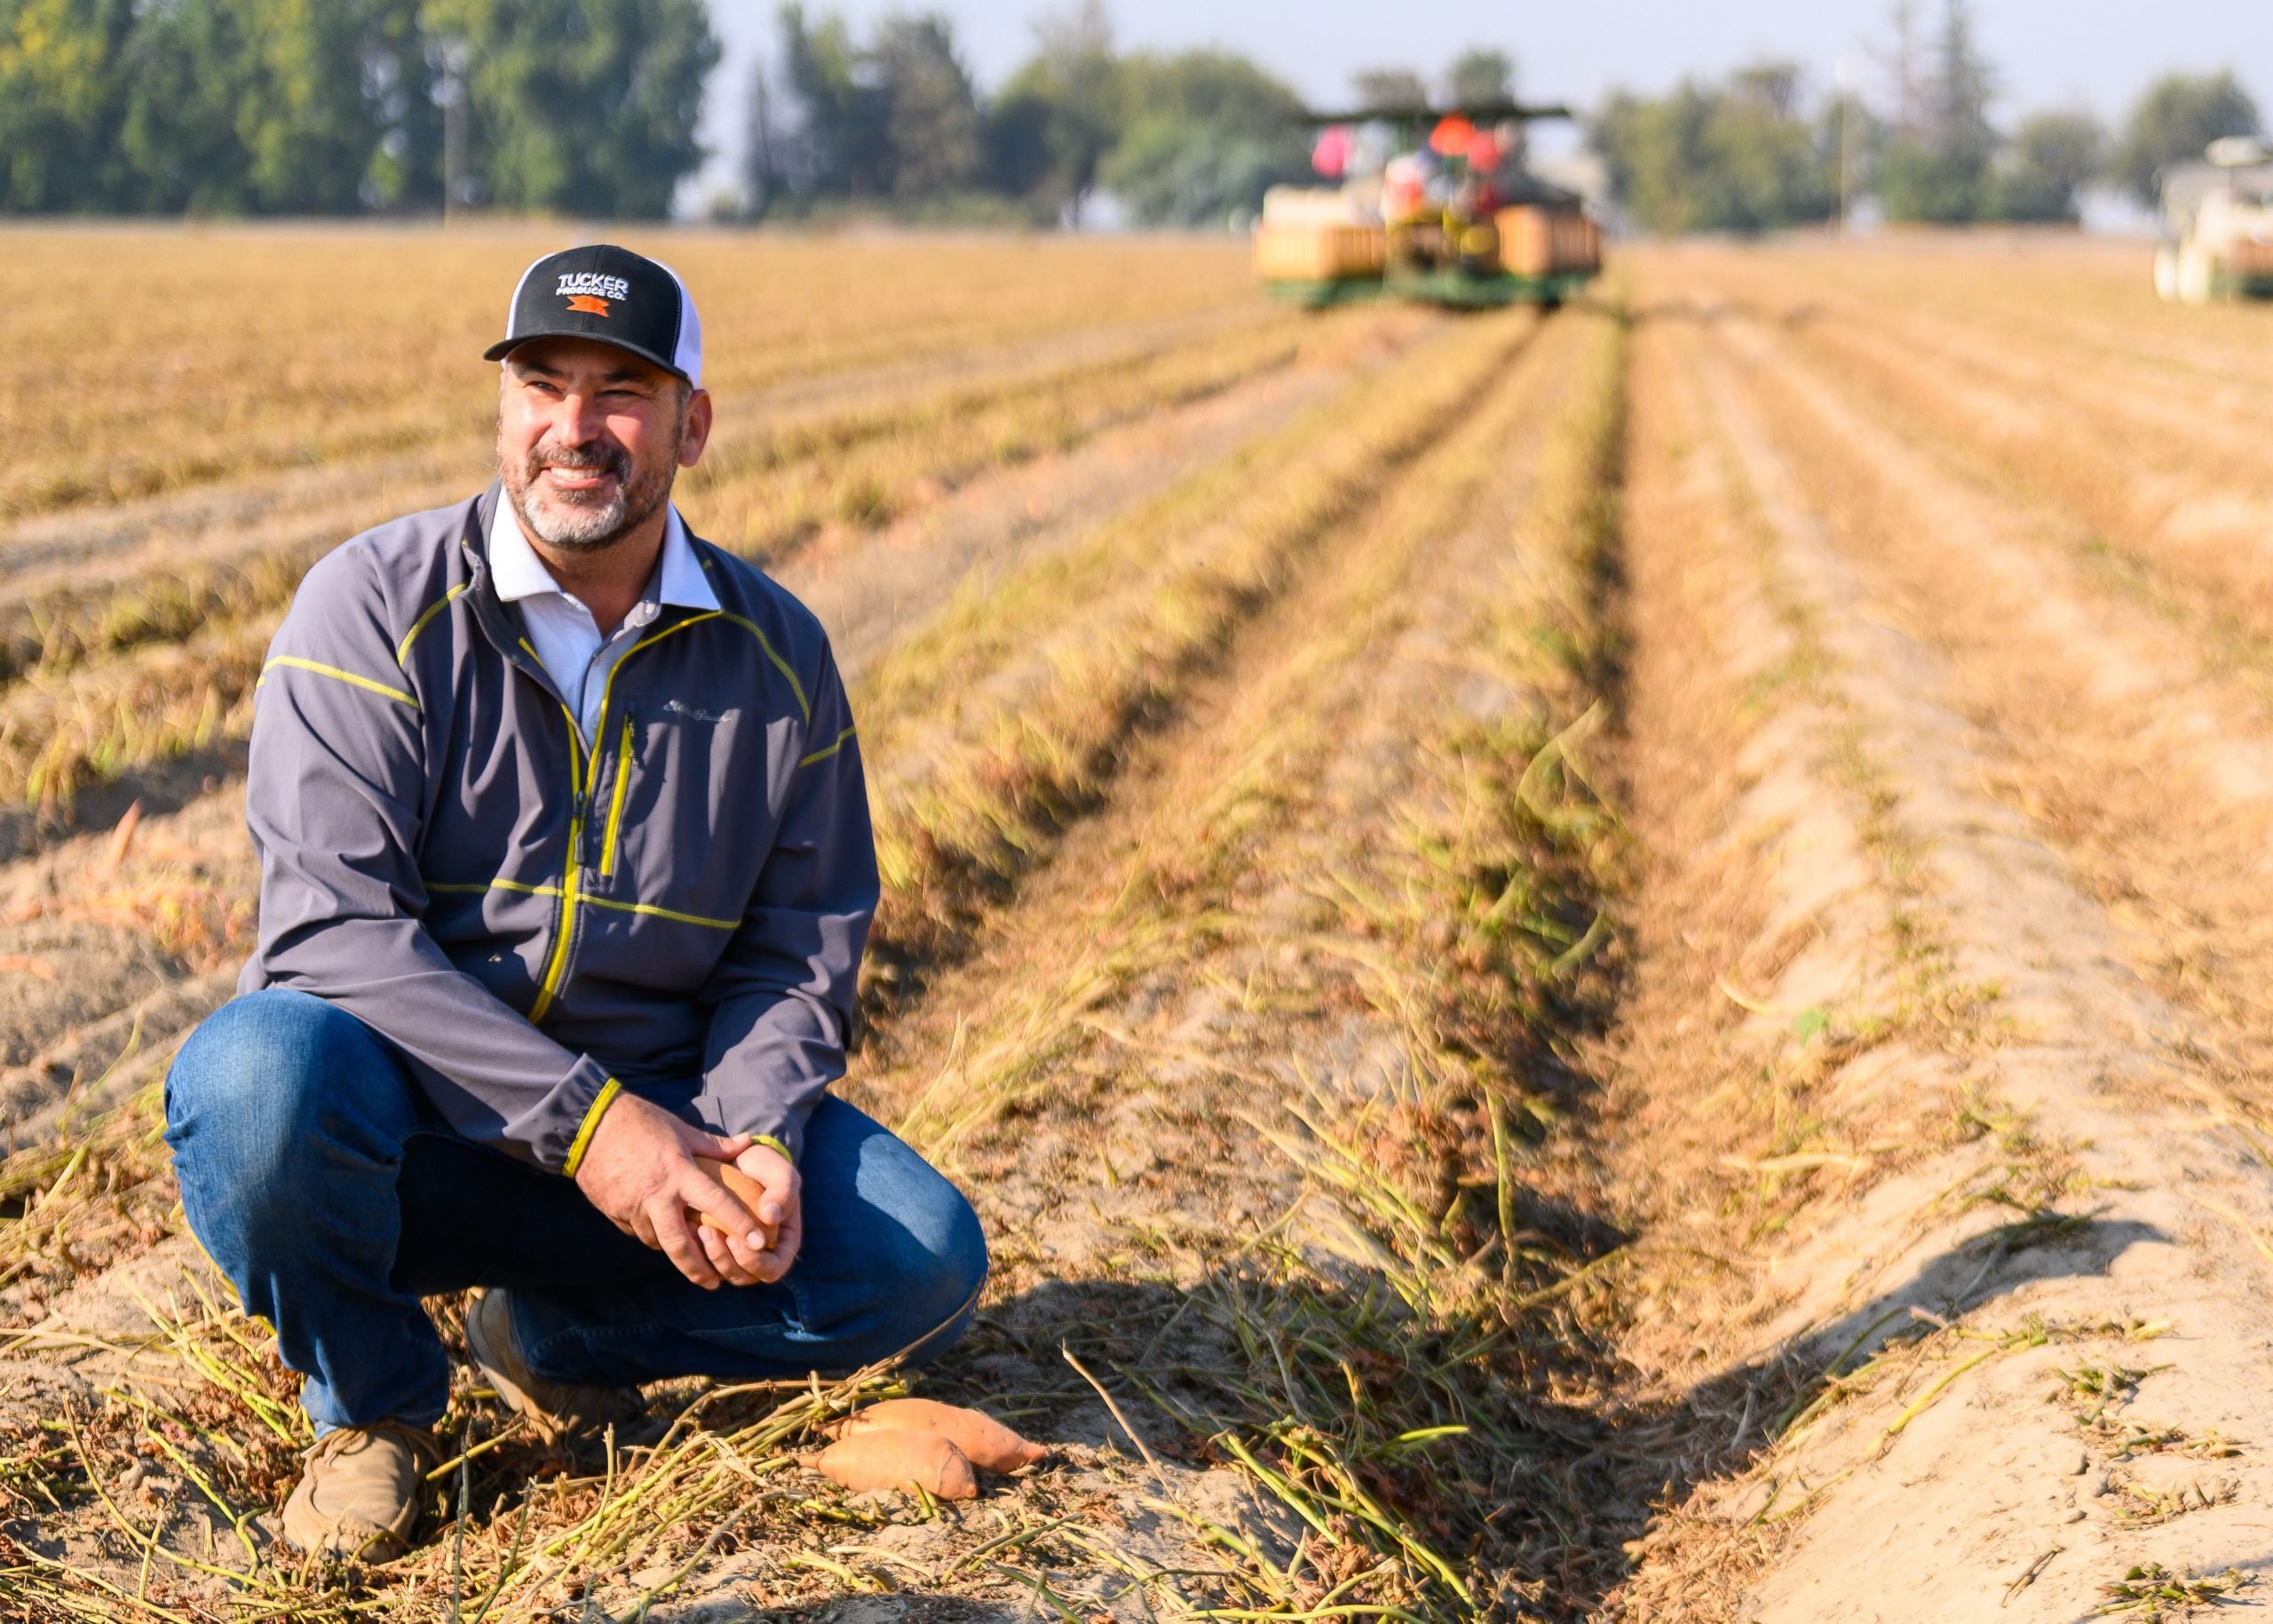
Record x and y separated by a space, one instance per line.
780 1212
639 1170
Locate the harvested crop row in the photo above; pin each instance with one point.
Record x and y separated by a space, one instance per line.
1452 611
1975 1111
2204 424
2096 303
1346 918
2147 757
267 349
2180 516
182 881
1765 895
62 728
1005 714
770 480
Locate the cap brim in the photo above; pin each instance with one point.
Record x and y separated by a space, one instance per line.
506 347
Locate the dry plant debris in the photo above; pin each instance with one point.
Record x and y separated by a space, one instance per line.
1606 965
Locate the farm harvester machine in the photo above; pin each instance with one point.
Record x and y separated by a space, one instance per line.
1434 205
2218 215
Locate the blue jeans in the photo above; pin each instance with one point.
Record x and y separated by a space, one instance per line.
324 1186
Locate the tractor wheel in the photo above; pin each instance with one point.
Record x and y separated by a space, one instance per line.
2197 275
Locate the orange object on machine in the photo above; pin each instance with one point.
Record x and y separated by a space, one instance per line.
1453 136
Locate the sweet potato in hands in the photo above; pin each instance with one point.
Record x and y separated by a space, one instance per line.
887 1458
983 1440
744 1188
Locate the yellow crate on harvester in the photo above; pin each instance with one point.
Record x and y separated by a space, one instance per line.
1319 253
1537 240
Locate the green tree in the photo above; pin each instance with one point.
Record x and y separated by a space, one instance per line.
1059 112
1215 132
2179 115
1390 87
401 82
587 105
931 124
1481 74
182 72
2053 158
61 103
841 143
298 109
1736 155
895 117
218 106
1943 175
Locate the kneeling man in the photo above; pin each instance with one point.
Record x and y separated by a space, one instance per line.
565 874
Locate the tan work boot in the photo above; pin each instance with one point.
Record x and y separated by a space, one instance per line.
560 1412
358 1494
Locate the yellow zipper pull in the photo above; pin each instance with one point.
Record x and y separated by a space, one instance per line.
615 801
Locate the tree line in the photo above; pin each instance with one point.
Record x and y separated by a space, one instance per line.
590 107
332 106
895 118
1761 149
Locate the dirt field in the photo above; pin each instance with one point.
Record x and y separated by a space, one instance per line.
1598 965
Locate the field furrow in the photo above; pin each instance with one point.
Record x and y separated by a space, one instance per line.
777 476
1985 1127
2182 518
1605 965
1214 956
2152 764
2092 301
188 872
262 351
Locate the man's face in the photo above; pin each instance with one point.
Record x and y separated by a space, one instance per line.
589 439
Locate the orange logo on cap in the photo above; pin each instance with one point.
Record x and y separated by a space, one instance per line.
586 305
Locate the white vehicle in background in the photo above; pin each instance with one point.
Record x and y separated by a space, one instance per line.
2218 217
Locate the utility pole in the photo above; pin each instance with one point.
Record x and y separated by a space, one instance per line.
1846 79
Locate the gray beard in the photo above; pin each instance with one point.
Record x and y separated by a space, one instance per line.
587 527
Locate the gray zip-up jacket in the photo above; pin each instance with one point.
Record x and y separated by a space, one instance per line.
678 910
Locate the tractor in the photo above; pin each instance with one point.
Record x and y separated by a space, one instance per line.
1434 205
2218 216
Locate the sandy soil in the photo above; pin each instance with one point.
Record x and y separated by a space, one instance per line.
75 975
1865 1215
1174 983
1963 802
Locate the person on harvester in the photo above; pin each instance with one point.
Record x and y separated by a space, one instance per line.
565 874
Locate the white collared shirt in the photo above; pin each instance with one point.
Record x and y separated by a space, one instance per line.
562 631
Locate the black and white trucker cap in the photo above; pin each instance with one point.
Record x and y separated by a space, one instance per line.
613 295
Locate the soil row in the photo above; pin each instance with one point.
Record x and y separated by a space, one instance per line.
1335 890
1953 1130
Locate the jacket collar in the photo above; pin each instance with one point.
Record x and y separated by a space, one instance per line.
497 620
516 571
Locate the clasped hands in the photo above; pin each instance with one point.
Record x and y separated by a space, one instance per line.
641 1170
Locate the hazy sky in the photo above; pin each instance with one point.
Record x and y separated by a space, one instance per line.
2051 51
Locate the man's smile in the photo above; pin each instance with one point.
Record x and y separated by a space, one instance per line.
575 480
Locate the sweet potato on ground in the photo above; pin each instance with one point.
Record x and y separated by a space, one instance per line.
887 1458
985 1441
